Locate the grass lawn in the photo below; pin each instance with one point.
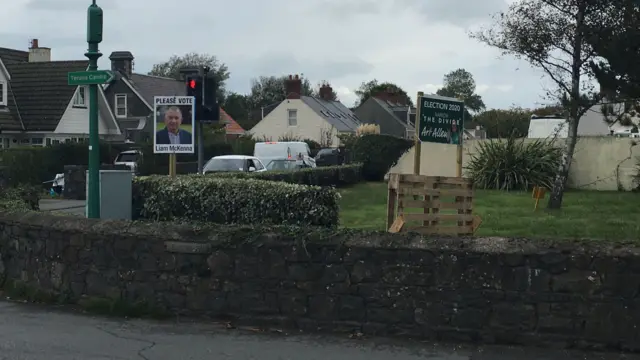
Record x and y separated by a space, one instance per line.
585 214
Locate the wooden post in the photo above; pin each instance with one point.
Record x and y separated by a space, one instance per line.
417 143
392 195
172 165
459 158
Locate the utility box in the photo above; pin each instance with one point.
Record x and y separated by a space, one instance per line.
115 194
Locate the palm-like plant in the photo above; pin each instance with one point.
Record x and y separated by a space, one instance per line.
514 164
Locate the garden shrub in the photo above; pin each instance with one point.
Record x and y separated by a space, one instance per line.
338 176
378 153
25 197
233 201
514 164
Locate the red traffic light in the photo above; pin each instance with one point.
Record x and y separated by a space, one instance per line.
192 84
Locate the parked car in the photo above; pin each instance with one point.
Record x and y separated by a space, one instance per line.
329 157
286 164
227 163
276 150
130 158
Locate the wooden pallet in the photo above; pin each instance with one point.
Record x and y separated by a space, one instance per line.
431 205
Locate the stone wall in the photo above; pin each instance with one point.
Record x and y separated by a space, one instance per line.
492 290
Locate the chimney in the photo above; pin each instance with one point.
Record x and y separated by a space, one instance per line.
293 87
326 92
122 62
37 53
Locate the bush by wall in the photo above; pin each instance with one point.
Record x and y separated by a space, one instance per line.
378 153
514 164
227 201
508 291
338 176
21 198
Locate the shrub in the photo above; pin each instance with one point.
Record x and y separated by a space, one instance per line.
514 164
378 153
366 129
26 197
636 177
338 176
228 201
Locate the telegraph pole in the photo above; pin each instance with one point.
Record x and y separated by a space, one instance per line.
94 37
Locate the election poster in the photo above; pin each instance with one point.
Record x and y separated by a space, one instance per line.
174 124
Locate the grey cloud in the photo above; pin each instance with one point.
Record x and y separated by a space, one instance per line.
67 5
347 8
22 41
456 12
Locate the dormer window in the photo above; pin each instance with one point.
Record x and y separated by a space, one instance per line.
3 94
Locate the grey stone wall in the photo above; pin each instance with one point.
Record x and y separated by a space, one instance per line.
492 290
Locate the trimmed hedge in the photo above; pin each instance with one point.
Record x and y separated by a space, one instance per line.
233 201
338 176
378 153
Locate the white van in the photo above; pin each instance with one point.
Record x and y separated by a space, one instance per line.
279 150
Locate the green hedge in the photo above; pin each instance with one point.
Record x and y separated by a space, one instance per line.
377 154
233 201
34 165
338 176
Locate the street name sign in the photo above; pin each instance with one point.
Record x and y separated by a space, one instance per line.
441 119
90 77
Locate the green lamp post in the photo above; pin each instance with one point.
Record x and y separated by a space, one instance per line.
94 37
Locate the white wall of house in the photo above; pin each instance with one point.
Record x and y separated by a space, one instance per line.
75 119
293 118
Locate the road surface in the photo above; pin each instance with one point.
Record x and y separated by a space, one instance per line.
29 332
74 207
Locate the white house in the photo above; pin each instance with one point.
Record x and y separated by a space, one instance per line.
305 117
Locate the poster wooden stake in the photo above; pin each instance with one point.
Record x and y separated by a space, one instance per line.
459 159
172 165
417 143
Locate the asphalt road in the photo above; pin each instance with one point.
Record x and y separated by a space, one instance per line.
29 332
74 207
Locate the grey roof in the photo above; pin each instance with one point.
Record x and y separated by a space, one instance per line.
399 112
9 116
336 114
149 86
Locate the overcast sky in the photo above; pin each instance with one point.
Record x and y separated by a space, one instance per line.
412 43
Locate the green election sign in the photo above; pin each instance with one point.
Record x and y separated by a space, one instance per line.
441 119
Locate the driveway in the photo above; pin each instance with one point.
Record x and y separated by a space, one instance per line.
29 332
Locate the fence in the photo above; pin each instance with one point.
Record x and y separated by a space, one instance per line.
431 205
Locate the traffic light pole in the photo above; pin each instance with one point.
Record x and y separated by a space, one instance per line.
200 129
94 37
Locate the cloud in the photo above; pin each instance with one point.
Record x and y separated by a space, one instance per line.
68 5
346 42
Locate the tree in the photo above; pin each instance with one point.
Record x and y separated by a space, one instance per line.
373 87
171 69
460 84
551 35
617 41
269 90
237 106
499 123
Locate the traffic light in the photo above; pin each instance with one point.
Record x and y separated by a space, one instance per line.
211 108
195 88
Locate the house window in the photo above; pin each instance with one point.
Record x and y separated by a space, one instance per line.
121 105
3 93
80 99
293 117
37 141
